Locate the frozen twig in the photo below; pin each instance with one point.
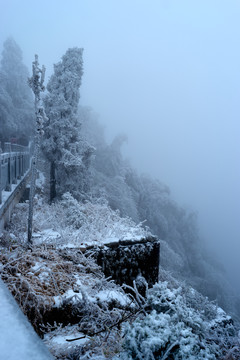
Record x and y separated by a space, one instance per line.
106 328
165 356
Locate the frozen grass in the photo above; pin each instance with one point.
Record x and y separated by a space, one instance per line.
55 288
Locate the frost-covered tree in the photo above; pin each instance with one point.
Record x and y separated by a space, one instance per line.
63 146
36 84
16 113
7 121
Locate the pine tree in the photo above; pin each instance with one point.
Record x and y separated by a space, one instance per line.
16 115
7 120
67 152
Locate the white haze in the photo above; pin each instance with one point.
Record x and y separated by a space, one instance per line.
167 73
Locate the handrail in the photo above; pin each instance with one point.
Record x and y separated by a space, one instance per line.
7 147
14 162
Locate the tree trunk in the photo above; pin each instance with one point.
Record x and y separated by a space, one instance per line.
33 185
52 181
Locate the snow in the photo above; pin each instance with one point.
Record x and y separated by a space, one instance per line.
60 340
45 236
102 296
36 267
40 181
53 236
57 341
70 294
129 236
220 318
18 341
7 194
108 295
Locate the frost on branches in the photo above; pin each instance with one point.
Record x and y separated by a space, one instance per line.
67 152
180 325
70 224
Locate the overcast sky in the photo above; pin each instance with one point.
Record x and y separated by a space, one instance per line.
167 73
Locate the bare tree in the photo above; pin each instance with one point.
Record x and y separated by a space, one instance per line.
36 84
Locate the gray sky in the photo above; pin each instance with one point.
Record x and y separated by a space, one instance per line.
167 73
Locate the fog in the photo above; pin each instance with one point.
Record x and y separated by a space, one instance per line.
167 74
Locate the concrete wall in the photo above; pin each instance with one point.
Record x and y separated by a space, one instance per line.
14 197
125 260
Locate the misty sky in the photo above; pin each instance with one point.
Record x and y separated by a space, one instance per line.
167 73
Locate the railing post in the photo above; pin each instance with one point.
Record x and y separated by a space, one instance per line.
7 147
28 160
18 167
25 161
9 178
24 164
0 178
22 170
14 178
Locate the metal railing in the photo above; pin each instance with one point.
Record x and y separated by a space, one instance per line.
14 162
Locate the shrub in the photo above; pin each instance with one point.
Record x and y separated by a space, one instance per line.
172 329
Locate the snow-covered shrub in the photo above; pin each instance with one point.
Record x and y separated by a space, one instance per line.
71 223
102 224
174 330
92 223
74 210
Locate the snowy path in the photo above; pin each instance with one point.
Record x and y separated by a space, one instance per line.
18 341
